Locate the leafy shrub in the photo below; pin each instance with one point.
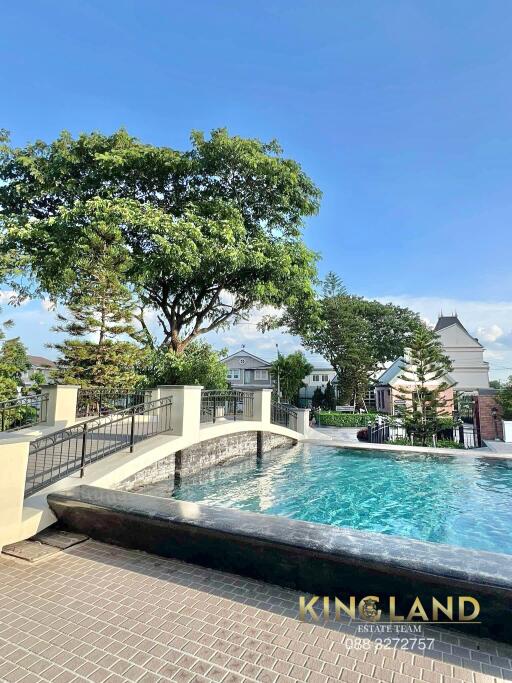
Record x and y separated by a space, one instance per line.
442 443
505 399
333 419
362 435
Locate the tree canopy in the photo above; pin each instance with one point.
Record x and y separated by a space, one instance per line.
356 335
291 370
13 363
425 384
204 235
198 364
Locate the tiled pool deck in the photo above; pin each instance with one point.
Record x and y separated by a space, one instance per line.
100 613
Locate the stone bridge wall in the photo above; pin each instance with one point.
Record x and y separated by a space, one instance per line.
204 455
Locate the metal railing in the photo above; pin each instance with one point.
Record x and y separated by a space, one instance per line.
23 412
283 415
387 431
69 450
229 404
103 400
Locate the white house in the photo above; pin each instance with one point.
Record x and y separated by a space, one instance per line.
391 387
470 371
38 364
247 371
320 375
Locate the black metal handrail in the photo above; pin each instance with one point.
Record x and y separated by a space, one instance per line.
229 404
105 400
283 415
23 412
57 455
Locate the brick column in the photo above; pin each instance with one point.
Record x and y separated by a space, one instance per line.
490 428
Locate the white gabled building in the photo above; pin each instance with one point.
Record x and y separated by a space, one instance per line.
470 370
247 371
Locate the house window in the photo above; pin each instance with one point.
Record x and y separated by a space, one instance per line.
316 378
261 374
233 374
325 378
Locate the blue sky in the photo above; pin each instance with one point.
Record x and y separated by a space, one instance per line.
399 111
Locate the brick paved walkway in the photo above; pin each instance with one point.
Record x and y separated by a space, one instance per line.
100 613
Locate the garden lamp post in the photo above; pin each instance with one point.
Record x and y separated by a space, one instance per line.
494 413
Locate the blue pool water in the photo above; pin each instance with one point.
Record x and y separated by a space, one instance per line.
462 501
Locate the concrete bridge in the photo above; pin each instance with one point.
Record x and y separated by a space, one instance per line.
174 434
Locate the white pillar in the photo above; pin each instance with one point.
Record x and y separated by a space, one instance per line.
186 409
155 394
303 421
62 400
261 405
13 473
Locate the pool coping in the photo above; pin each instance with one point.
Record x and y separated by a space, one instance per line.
316 558
456 562
483 452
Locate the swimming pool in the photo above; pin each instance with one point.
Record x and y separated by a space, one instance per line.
461 501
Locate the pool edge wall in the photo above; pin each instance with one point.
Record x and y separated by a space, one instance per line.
313 558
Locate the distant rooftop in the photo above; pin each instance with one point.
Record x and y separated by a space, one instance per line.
41 362
448 321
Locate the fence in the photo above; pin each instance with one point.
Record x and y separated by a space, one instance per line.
23 412
59 454
228 404
103 401
283 415
384 431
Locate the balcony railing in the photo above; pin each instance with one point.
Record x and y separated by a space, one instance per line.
23 412
284 415
69 450
103 401
230 405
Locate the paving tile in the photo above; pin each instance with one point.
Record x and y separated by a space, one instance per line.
100 613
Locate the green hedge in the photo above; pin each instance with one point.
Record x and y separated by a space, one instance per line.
333 419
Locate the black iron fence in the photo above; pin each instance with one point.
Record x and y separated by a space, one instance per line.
23 412
284 415
103 401
229 404
69 450
389 431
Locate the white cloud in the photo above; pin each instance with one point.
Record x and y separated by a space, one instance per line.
489 334
47 305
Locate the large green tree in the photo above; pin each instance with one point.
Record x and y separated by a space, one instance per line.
425 383
100 309
198 364
356 335
13 363
208 233
291 370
